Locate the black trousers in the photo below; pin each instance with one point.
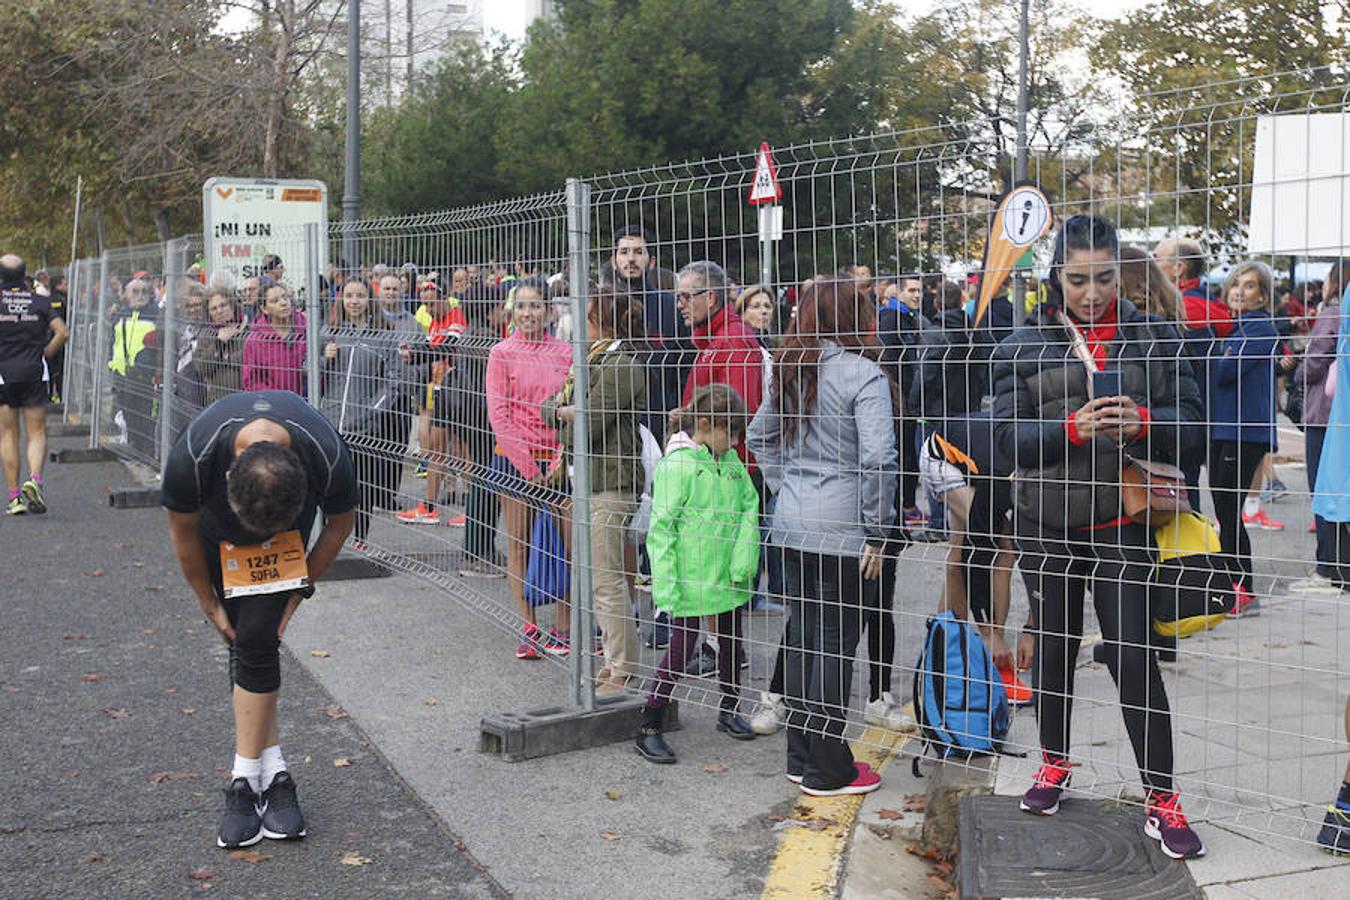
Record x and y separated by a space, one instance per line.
1232 465
909 464
824 610
1117 564
878 598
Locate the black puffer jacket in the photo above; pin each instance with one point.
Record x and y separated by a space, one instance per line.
1039 384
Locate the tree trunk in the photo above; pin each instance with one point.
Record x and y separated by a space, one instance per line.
162 225
277 89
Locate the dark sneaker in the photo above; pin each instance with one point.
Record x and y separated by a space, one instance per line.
240 826
281 816
659 638
1166 823
32 493
1335 834
703 663
1051 780
734 726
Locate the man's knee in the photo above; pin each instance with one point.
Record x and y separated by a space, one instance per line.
257 659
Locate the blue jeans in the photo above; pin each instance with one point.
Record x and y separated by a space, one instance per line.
1326 531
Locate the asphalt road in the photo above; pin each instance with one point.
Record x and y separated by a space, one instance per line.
116 736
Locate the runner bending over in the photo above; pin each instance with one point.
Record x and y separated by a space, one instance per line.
242 487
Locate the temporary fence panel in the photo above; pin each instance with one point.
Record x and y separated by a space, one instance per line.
494 365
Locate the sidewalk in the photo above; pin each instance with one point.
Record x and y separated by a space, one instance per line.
114 695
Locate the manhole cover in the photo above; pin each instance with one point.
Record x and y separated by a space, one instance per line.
1088 849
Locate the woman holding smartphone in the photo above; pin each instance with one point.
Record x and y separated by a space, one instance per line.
1067 434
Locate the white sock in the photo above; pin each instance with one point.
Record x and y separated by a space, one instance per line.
250 769
272 763
1251 507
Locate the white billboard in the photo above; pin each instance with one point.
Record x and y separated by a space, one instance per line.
245 219
1301 185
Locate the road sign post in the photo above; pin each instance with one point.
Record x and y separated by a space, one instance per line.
765 192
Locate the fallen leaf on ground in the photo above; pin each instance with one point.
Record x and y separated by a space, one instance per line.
72 636
334 712
171 690
95 857
613 794
161 777
321 654
147 631
882 833
352 858
353 835
94 676
115 712
941 884
250 856
189 711
890 815
430 701
72 773
341 762
95 573
138 564
202 874
714 768
916 802
609 835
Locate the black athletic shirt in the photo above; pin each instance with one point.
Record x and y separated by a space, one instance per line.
194 475
25 326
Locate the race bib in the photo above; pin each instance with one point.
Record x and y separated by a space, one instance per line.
271 567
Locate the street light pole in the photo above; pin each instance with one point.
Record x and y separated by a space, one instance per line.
351 192
1020 159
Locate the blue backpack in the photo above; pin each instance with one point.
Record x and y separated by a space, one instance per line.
959 700
547 575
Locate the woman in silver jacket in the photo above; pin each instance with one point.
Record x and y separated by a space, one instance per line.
360 362
825 441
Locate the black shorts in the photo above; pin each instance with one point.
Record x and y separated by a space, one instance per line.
25 393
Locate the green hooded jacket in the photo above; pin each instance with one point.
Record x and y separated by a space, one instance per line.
704 536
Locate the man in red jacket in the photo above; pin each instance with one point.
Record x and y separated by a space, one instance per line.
728 351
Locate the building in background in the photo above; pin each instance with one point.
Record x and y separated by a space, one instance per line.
538 9
403 37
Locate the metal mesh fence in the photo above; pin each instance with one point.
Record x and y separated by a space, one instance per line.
534 394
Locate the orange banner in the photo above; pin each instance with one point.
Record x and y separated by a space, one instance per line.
1023 216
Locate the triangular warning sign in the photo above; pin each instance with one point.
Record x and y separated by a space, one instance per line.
765 187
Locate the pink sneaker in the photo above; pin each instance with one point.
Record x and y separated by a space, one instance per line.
866 782
458 521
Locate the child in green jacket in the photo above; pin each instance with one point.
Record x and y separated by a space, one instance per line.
703 543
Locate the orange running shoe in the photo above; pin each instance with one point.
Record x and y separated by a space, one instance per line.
1018 693
421 514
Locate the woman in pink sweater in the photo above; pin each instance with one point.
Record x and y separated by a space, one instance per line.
274 352
523 371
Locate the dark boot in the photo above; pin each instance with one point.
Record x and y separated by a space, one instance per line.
650 744
734 725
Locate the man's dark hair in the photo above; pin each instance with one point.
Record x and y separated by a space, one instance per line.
267 488
270 262
630 231
12 269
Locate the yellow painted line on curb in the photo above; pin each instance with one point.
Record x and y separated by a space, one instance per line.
808 861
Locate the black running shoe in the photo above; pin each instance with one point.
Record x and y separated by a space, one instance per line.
240 826
281 817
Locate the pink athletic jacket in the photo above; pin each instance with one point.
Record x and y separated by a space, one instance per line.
521 375
274 363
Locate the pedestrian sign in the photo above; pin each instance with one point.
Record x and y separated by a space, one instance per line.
765 187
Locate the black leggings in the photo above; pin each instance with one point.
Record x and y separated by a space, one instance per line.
1232 465
878 598
1118 563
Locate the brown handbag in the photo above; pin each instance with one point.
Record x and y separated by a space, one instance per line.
1152 493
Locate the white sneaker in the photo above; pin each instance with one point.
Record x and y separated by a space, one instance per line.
770 714
1316 583
884 712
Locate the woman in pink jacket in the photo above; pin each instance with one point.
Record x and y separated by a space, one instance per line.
523 371
274 353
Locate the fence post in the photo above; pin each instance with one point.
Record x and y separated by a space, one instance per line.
313 314
67 362
174 271
100 351
583 616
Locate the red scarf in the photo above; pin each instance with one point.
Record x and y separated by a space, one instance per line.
1099 334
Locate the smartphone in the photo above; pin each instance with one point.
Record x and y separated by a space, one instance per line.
1106 384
